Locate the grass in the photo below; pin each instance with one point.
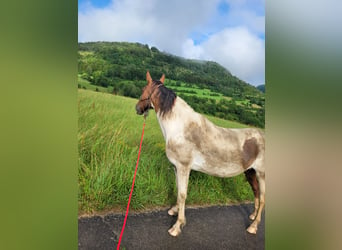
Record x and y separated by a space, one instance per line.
203 93
87 85
108 140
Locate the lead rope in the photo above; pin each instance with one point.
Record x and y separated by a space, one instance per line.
130 195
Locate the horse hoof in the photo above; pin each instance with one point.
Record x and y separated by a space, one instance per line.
251 230
171 212
174 231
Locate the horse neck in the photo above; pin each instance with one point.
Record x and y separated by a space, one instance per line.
173 122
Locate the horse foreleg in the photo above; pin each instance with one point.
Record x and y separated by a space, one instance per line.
182 184
254 226
174 210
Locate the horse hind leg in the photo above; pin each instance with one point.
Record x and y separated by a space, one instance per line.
174 210
252 180
261 180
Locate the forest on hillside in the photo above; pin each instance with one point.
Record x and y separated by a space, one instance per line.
121 68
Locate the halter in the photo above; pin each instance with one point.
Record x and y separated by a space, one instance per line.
149 97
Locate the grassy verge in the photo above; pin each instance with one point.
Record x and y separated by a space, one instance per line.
108 140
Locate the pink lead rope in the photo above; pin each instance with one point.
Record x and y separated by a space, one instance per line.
130 195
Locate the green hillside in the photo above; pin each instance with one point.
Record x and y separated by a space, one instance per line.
261 88
108 139
208 87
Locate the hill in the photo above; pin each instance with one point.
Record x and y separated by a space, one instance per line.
122 60
208 87
261 88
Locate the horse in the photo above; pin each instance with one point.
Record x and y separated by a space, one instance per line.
195 143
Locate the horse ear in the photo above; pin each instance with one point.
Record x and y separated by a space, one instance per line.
148 77
162 79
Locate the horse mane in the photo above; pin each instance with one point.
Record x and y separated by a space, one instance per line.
166 98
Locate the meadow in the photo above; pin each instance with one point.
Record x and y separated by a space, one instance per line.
109 134
191 89
82 83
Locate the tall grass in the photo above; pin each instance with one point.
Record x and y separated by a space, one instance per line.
108 140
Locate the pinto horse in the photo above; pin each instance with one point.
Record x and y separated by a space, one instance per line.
194 143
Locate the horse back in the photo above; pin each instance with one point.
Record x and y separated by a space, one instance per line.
214 150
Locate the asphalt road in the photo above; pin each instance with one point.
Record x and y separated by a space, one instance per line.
208 228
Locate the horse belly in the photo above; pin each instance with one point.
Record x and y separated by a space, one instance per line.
223 169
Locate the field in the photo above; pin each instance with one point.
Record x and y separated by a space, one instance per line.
108 140
192 89
82 83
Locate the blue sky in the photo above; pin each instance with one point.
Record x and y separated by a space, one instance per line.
95 3
230 32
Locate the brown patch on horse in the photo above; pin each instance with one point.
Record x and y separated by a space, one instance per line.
253 181
179 151
209 143
250 152
194 134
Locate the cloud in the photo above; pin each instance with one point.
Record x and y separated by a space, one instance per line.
165 24
190 50
237 49
195 28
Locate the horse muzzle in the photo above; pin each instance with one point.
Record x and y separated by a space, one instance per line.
139 110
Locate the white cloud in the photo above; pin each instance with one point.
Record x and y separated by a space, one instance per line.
190 50
231 40
237 49
250 19
165 24
247 13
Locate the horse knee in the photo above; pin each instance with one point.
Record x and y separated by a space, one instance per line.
182 197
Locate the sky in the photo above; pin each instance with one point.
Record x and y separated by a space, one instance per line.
230 32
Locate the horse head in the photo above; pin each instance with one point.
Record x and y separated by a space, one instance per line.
145 102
